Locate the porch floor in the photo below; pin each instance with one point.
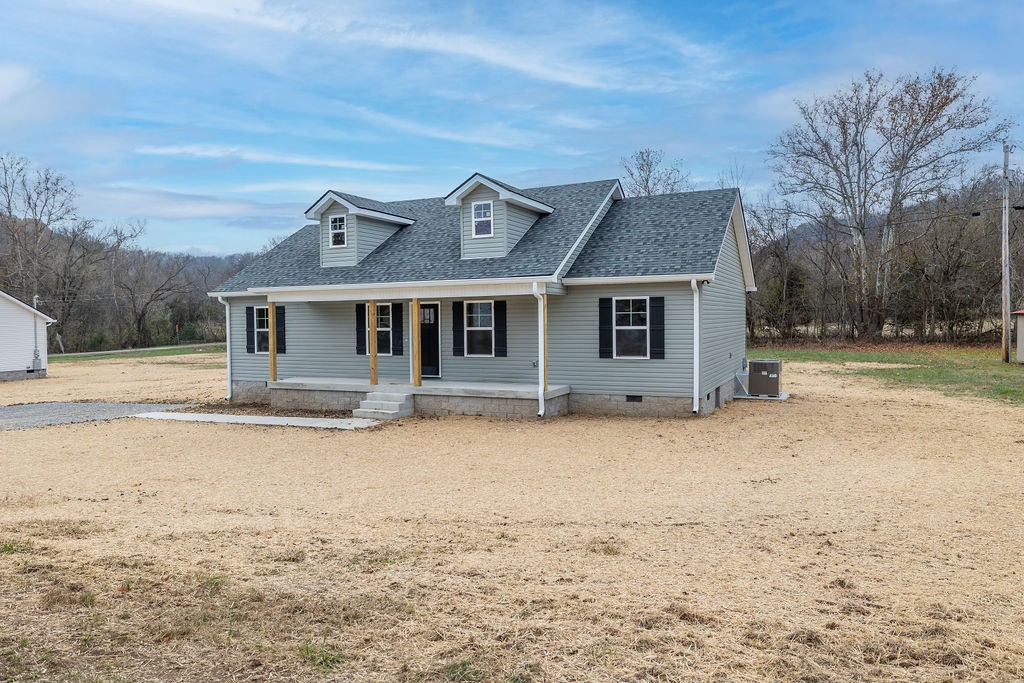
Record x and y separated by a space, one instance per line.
431 387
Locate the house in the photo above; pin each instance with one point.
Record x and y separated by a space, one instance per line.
22 339
499 301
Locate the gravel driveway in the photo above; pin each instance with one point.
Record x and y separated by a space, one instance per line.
31 415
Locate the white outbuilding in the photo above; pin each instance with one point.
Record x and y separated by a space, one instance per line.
22 339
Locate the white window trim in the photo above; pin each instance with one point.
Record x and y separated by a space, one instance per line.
466 328
331 231
256 330
390 330
472 215
616 327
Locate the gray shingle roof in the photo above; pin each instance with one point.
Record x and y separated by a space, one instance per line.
667 234
430 248
364 203
499 183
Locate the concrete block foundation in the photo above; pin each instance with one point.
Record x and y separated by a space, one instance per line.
11 375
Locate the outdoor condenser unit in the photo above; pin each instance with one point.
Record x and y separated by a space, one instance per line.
765 377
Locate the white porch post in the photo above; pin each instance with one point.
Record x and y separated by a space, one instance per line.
542 339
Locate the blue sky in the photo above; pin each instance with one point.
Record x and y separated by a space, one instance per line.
219 122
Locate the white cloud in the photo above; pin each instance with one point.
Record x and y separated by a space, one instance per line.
14 80
154 203
199 151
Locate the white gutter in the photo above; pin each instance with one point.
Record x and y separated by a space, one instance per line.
696 345
252 291
540 350
227 331
630 279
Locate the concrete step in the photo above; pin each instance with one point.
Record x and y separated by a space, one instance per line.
374 414
394 406
387 396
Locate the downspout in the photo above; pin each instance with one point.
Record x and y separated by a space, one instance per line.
540 349
696 345
227 332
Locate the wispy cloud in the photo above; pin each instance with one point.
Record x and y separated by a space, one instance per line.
14 80
199 151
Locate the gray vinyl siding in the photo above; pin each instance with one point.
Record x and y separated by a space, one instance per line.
521 317
590 231
723 319
483 247
337 256
573 344
519 221
370 234
321 342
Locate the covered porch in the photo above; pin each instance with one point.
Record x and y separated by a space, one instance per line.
512 380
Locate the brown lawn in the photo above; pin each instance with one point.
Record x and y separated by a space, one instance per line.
855 532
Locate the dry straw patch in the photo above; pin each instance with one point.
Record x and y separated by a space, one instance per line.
853 533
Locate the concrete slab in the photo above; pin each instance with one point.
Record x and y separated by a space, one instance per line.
431 387
783 396
267 420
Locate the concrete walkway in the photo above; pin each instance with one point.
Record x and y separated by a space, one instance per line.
29 415
269 420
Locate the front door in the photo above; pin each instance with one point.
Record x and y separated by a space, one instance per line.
430 339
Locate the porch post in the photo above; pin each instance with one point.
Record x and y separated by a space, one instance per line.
371 313
542 348
272 341
417 360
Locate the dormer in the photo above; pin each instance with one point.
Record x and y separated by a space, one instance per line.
494 216
352 227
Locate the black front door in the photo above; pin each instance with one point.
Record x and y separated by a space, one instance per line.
430 339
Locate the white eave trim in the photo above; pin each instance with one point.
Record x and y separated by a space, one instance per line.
316 211
22 304
408 290
639 279
457 195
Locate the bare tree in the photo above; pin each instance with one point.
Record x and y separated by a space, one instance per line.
861 156
148 279
647 175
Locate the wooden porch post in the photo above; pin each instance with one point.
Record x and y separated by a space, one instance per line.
272 341
545 341
417 360
371 313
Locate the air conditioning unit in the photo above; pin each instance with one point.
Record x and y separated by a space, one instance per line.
765 377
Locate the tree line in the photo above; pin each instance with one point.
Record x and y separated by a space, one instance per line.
877 225
103 289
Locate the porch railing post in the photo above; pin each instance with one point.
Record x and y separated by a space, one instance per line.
417 361
272 339
371 313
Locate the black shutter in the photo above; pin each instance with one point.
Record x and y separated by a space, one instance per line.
250 329
458 330
397 330
360 329
500 330
279 327
657 323
604 324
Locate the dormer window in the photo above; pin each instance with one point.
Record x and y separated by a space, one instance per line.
482 224
339 233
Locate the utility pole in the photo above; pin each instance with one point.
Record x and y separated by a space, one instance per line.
1006 252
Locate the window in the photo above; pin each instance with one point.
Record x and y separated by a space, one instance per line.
479 328
632 336
482 224
339 231
383 330
262 327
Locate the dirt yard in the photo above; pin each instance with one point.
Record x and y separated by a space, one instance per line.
855 532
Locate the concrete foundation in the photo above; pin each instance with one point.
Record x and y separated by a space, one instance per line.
11 375
503 403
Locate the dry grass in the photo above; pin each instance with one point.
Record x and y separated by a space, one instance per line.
854 533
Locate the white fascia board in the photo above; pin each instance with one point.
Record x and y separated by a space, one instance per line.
455 198
442 289
214 295
317 210
739 227
639 279
615 193
21 304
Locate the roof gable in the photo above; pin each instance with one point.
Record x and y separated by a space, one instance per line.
359 206
21 304
505 192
